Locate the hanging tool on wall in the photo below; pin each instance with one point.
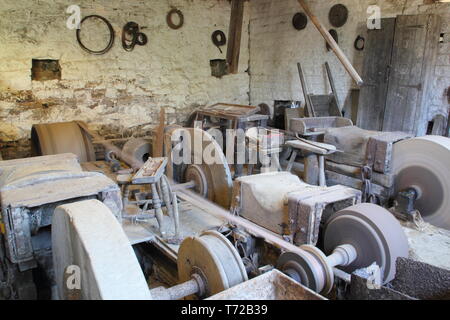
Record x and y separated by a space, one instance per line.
132 37
300 21
335 36
169 19
111 36
338 15
360 43
219 39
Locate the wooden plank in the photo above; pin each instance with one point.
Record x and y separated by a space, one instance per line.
413 57
309 106
336 105
234 35
334 46
377 61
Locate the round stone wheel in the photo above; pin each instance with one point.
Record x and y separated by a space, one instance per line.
218 174
89 243
63 137
214 258
374 233
423 164
196 173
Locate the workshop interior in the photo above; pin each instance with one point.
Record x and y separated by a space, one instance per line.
225 150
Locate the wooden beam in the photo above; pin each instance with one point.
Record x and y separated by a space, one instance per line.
159 134
234 35
334 46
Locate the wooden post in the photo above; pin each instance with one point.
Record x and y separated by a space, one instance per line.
234 35
159 135
334 46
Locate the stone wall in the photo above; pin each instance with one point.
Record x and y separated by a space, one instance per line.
276 47
118 92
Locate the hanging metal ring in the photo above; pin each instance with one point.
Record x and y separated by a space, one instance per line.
170 22
111 36
357 41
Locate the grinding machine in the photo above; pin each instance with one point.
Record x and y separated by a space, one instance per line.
30 190
410 176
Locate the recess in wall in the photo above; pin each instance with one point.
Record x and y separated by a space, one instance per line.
219 68
45 69
441 38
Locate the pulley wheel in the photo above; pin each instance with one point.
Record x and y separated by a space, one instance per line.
326 269
136 151
214 258
374 233
90 247
64 137
304 268
423 164
196 173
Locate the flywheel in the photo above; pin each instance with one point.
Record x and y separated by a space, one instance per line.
92 257
423 164
214 258
374 233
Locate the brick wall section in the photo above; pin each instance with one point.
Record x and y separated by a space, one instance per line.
276 47
120 89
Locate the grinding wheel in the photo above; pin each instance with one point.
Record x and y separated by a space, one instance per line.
138 149
424 165
87 235
218 174
374 233
64 137
214 258
197 174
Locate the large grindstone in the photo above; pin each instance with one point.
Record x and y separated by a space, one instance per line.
424 164
87 235
374 233
217 172
64 137
214 258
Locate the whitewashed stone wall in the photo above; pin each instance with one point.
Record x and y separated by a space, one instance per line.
120 89
276 47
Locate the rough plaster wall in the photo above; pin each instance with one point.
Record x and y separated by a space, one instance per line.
119 90
276 47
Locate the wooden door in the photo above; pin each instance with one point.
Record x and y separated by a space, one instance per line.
413 56
377 62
